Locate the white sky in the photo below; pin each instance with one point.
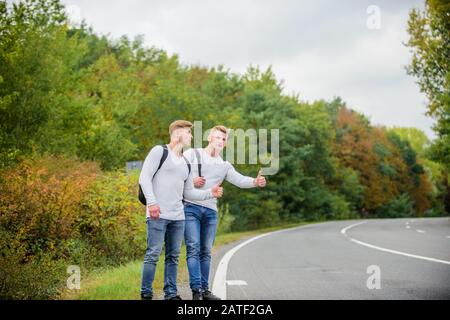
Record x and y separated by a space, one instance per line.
320 49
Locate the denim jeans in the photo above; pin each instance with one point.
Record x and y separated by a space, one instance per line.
171 233
199 234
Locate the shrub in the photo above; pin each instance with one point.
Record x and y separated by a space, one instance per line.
40 200
112 219
225 219
401 206
55 212
27 277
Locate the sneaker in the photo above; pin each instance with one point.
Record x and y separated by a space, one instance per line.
207 295
175 298
146 297
196 295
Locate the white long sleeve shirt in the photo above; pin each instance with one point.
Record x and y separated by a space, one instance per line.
170 185
215 170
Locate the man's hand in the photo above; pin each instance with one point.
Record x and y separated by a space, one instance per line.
217 190
260 180
199 182
154 211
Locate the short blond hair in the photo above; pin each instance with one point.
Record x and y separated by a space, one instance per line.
179 124
220 128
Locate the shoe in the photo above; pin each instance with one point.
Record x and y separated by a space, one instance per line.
207 295
146 297
196 295
175 298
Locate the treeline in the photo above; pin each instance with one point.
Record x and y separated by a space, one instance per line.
75 106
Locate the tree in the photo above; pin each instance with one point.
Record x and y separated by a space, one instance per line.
31 72
429 41
416 138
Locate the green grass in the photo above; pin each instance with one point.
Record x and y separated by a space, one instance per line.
123 282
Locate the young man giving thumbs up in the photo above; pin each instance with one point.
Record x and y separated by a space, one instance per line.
209 170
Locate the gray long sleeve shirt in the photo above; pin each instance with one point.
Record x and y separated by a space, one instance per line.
215 170
169 185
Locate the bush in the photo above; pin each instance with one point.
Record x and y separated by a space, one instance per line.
251 212
399 207
27 277
437 211
38 212
56 212
112 219
40 200
340 208
225 219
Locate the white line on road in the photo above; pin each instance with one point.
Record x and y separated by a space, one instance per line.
343 231
420 231
219 287
236 282
408 227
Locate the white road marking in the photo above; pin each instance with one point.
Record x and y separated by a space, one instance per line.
343 231
420 231
408 227
236 283
219 287
448 237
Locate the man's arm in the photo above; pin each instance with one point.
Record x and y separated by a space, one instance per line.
190 193
149 168
238 179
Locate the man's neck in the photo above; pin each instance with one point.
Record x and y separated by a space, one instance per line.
213 152
176 147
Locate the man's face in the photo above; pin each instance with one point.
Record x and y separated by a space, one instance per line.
218 139
184 136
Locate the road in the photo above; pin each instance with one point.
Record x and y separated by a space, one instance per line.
407 259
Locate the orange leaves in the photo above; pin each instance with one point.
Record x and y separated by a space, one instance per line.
384 172
40 197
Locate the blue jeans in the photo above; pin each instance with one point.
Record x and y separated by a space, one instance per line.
199 234
171 233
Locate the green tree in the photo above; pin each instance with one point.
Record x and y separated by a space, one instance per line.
31 35
429 41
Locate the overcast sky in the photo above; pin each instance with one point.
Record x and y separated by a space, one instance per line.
320 49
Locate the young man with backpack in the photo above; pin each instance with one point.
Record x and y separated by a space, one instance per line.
209 170
164 181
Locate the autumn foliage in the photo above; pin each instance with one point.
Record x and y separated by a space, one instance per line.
387 165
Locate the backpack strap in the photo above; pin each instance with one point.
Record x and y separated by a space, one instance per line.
199 164
163 158
189 167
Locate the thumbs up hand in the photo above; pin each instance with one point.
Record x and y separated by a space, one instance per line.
260 180
217 190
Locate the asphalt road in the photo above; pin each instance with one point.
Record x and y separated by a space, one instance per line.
331 260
